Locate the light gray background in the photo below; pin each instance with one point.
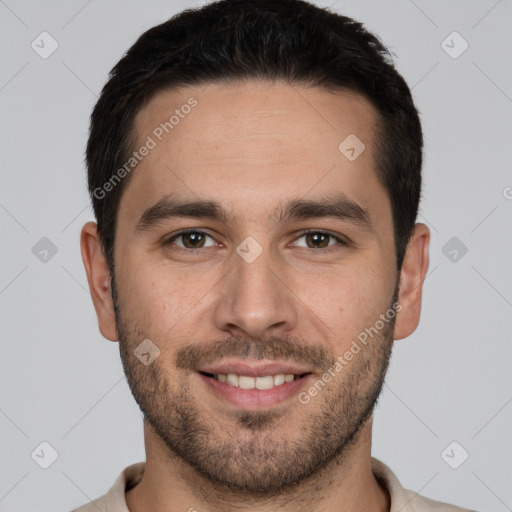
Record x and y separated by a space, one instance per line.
62 382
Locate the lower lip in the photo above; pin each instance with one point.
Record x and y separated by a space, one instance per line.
252 399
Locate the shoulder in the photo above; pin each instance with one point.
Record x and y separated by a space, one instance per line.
418 503
404 500
114 500
98 505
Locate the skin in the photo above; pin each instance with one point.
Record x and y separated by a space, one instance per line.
252 147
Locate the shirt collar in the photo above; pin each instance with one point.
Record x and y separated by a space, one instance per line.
132 475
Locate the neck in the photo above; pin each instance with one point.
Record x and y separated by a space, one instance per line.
346 484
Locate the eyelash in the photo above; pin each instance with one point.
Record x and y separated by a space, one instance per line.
342 242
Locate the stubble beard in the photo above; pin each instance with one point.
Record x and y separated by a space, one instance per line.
258 453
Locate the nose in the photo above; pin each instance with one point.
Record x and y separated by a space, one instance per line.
255 300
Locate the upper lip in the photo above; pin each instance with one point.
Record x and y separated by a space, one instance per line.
254 369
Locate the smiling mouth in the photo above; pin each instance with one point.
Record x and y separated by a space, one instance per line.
248 382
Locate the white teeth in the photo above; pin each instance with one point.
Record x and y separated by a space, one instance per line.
265 382
232 379
279 379
247 382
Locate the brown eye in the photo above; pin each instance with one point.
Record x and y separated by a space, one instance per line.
317 240
321 241
191 239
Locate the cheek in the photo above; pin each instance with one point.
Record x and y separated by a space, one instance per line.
160 299
348 300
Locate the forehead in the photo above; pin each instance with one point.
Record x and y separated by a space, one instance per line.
254 144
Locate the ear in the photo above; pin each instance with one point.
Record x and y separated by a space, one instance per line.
412 275
98 276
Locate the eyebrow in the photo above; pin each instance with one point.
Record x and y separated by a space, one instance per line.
336 206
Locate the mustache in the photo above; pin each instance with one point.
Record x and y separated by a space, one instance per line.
195 355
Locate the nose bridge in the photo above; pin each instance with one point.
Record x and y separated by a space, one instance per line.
253 298
254 278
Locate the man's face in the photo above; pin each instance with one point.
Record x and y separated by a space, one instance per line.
254 294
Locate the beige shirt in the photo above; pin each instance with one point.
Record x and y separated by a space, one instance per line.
402 500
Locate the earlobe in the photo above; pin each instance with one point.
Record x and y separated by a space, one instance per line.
98 277
412 274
